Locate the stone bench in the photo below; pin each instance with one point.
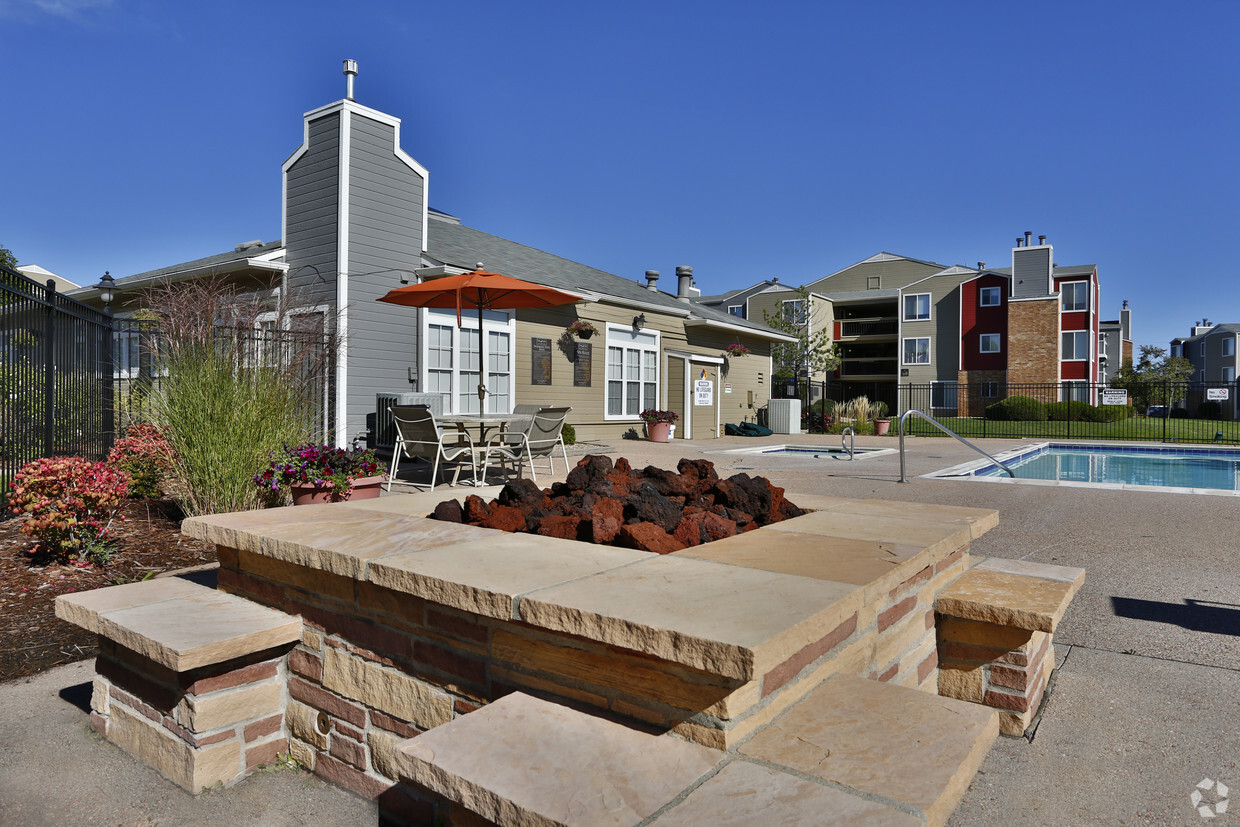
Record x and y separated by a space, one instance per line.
189 680
852 750
995 627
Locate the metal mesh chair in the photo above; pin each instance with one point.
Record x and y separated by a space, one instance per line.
538 441
419 436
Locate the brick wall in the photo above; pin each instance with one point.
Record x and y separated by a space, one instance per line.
969 399
1033 342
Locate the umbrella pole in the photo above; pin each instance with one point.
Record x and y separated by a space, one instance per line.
482 389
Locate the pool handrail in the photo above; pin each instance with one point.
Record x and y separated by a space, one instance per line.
949 432
850 445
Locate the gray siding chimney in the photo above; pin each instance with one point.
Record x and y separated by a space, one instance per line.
684 280
1031 269
652 280
1125 322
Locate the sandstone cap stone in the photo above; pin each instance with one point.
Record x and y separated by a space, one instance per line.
1013 593
912 749
177 623
524 761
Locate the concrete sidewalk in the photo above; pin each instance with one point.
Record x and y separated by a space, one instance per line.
1144 705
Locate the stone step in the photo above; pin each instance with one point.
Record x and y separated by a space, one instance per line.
910 750
521 760
1013 593
178 623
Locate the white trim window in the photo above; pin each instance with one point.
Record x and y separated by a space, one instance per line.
990 297
944 395
917 307
451 362
917 351
1229 346
794 312
1074 295
632 372
1075 345
737 310
991 342
1074 390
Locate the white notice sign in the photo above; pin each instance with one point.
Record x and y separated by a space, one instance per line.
727 387
703 392
1218 394
1114 397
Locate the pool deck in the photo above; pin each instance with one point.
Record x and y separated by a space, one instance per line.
1143 705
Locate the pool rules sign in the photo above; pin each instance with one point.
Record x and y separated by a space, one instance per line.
703 390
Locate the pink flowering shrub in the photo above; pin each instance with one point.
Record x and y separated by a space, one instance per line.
69 504
146 456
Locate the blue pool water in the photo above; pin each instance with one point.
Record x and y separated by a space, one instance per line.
1217 469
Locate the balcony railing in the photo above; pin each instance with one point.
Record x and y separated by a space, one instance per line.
868 367
869 327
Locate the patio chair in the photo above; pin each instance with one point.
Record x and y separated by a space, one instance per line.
419 436
538 441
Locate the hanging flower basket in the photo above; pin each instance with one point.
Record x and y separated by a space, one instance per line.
581 329
737 349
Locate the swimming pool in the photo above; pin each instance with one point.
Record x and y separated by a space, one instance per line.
812 451
1195 470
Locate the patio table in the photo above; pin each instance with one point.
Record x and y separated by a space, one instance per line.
463 421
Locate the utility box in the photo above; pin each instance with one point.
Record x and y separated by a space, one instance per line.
785 416
385 430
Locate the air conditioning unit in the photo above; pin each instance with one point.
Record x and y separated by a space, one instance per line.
385 431
785 416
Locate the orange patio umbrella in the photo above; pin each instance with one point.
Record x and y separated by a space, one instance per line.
480 289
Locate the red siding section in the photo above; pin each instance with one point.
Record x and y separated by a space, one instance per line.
976 320
1082 320
1073 370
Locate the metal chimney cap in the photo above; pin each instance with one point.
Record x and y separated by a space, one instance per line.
350 67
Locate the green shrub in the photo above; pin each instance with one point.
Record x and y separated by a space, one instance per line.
1179 413
69 504
570 434
1074 411
1210 409
1116 413
1017 409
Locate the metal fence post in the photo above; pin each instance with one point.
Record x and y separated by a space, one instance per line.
49 369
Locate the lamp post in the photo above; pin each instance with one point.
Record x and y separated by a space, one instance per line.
107 292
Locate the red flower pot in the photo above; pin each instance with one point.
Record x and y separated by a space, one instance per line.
658 431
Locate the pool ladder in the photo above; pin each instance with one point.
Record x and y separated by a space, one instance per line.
847 446
949 432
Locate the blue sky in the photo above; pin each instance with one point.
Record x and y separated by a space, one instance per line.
746 140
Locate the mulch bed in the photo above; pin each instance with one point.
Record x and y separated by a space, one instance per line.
148 541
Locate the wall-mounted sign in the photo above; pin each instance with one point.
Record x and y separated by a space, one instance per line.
703 392
727 387
1218 394
581 365
1111 396
540 361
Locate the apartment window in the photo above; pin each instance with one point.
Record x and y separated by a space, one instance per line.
1074 296
632 372
1177 350
794 311
1075 345
1229 346
455 362
990 342
1229 374
991 297
871 282
917 351
917 307
988 390
1203 350
944 395
737 310
1076 390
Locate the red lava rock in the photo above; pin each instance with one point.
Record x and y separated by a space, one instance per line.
449 511
476 509
505 518
566 528
648 537
652 509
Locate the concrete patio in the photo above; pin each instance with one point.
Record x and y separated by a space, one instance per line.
1139 715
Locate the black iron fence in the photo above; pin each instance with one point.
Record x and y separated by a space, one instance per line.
56 391
1199 412
72 377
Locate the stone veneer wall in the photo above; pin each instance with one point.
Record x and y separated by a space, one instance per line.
969 401
995 665
203 727
376 666
1033 342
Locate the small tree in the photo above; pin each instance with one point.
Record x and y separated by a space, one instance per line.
7 258
813 352
1156 378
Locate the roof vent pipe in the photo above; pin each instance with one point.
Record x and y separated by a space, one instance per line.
652 280
1041 240
981 265
1028 237
684 278
1018 240
350 72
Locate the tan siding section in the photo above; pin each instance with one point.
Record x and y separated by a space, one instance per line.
890 274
